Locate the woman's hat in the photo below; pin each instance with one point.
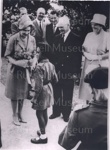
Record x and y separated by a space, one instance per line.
98 78
24 22
99 19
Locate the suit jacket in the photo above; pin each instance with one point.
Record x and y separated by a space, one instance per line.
50 35
67 55
38 34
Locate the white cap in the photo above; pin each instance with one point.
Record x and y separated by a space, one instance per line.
99 19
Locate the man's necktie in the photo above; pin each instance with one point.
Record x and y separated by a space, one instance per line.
40 25
62 38
54 26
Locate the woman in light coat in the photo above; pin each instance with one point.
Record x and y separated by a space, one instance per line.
96 52
17 85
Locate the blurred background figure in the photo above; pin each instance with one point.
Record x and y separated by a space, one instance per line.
15 25
39 25
12 19
52 30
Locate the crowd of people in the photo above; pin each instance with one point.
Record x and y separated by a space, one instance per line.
44 59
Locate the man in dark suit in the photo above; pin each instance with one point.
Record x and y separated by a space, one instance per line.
39 26
14 26
52 29
67 60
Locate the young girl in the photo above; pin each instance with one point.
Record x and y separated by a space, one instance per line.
44 76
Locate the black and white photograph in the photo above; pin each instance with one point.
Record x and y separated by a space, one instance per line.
54 75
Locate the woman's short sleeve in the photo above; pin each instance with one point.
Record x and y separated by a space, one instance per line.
10 46
86 40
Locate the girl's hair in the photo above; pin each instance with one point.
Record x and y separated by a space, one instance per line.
46 51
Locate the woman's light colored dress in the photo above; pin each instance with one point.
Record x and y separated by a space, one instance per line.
94 44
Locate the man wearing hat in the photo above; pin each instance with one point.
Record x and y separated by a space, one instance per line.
88 124
95 50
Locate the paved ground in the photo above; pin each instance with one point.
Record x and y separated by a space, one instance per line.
18 138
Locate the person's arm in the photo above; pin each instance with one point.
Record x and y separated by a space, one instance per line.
21 63
96 57
54 76
70 137
105 56
85 51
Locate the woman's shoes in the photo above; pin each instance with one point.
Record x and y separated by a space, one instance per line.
20 118
16 121
39 141
22 121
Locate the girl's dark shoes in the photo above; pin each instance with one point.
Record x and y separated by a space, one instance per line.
39 141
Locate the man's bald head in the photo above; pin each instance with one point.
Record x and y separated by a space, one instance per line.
64 24
40 13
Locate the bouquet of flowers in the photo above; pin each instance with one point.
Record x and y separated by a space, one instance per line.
27 55
23 54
